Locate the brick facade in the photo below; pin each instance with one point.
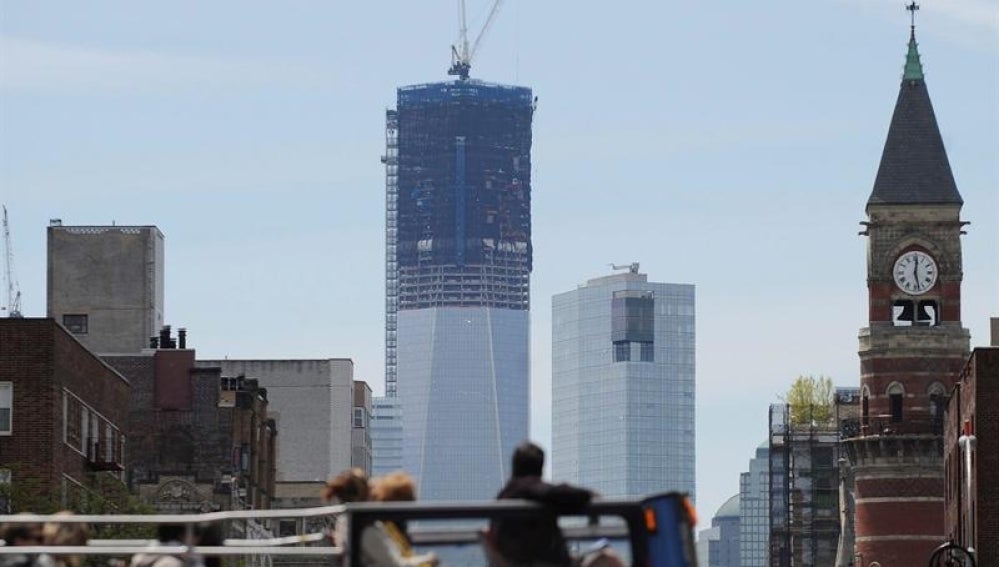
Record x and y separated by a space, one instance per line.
975 401
200 441
69 412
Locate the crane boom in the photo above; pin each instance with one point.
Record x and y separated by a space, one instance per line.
461 54
13 305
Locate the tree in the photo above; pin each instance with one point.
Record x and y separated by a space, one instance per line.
811 400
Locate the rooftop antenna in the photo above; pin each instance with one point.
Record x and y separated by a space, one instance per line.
632 267
461 53
13 305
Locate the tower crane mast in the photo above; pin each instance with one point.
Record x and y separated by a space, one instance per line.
13 304
461 53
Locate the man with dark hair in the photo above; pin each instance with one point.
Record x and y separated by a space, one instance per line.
535 540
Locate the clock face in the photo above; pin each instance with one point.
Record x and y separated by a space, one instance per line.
915 272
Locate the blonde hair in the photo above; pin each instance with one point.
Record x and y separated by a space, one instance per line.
64 533
393 487
349 486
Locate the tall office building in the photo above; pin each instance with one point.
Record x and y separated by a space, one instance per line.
386 435
105 284
754 509
623 385
458 264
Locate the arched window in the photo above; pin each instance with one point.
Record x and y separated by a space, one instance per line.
938 399
865 406
895 396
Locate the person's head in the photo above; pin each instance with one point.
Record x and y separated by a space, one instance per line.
65 533
394 487
349 486
528 460
171 532
210 535
21 533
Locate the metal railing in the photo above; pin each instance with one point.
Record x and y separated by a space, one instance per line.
630 523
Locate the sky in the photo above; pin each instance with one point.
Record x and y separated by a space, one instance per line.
730 144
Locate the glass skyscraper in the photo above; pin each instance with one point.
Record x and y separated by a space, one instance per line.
623 385
754 509
458 264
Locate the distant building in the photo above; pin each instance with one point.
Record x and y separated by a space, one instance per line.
623 385
105 284
63 417
386 435
200 441
312 403
458 265
723 545
754 510
804 489
360 432
973 413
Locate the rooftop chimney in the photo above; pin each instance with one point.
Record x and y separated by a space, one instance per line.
165 340
182 338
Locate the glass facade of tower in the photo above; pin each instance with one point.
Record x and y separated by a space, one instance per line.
623 386
754 510
458 267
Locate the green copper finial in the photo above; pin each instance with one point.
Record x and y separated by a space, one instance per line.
913 68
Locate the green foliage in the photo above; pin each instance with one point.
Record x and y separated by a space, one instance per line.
811 400
104 495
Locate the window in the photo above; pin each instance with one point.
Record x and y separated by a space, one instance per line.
358 417
648 352
6 407
622 351
895 394
73 419
76 324
633 316
865 408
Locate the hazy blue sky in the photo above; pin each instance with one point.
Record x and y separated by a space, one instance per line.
731 145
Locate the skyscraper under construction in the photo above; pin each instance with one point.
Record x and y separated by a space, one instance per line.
458 264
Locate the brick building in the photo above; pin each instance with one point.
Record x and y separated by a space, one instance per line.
914 347
200 440
973 409
63 416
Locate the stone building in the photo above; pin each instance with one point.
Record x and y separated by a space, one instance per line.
312 404
105 284
200 440
63 415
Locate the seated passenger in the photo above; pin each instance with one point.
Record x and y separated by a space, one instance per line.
535 540
349 486
386 544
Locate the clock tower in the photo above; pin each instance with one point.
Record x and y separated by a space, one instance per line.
914 347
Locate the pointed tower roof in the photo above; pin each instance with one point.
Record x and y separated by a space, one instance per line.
914 167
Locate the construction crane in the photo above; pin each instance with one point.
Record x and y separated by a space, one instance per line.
13 305
461 54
